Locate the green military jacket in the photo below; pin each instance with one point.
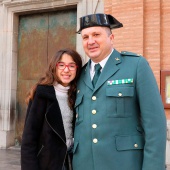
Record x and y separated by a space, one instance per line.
120 123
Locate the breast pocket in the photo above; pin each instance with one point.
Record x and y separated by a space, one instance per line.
116 100
79 108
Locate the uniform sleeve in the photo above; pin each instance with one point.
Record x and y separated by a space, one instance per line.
31 133
152 117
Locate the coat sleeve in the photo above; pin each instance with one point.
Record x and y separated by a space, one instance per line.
31 134
152 117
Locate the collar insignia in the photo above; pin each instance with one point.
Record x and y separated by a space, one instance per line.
117 59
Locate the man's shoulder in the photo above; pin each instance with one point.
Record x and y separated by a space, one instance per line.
130 54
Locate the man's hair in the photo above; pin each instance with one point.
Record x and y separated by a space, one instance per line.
108 30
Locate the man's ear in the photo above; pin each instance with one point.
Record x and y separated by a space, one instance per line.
111 38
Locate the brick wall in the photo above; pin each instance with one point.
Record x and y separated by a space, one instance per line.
146 31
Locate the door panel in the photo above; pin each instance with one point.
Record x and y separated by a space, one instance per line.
40 36
62 31
32 59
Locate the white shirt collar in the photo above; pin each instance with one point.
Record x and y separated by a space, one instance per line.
102 64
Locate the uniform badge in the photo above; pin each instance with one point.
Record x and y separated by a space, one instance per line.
121 81
86 20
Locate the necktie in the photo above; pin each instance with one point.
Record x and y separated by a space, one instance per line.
97 74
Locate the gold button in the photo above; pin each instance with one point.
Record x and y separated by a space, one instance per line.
95 140
120 94
94 98
77 115
94 126
135 145
94 112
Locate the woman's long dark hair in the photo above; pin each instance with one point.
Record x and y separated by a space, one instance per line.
50 76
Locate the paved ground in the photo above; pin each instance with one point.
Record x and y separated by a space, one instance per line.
10 159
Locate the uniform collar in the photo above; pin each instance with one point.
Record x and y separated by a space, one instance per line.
102 63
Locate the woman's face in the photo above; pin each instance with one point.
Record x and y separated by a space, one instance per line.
66 69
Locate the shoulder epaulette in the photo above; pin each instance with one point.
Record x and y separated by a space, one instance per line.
127 53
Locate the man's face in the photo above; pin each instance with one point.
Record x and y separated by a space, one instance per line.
97 42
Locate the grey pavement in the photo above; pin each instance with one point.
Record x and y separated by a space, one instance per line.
10 159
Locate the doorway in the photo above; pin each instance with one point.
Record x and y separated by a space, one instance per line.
40 36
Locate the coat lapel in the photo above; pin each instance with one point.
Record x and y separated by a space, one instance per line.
54 119
87 79
53 114
109 69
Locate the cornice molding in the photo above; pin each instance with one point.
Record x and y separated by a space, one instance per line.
44 3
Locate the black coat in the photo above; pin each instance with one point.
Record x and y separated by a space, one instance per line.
43 142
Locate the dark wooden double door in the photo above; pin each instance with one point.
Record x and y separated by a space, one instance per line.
40 36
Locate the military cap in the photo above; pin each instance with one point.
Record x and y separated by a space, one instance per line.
103 20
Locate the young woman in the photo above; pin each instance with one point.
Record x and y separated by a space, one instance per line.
48 132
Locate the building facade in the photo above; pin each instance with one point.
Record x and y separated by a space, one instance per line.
146 31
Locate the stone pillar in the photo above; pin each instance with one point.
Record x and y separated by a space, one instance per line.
7 80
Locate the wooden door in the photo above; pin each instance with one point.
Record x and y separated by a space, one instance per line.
40 36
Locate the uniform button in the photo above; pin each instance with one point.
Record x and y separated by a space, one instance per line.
120 94
135 145
94 112
78 91
95 140
94 98
94 126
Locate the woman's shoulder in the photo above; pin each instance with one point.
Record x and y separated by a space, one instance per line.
44 87
46 91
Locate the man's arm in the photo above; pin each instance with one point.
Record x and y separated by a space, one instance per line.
152 118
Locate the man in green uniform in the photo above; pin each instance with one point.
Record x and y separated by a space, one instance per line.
120 119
